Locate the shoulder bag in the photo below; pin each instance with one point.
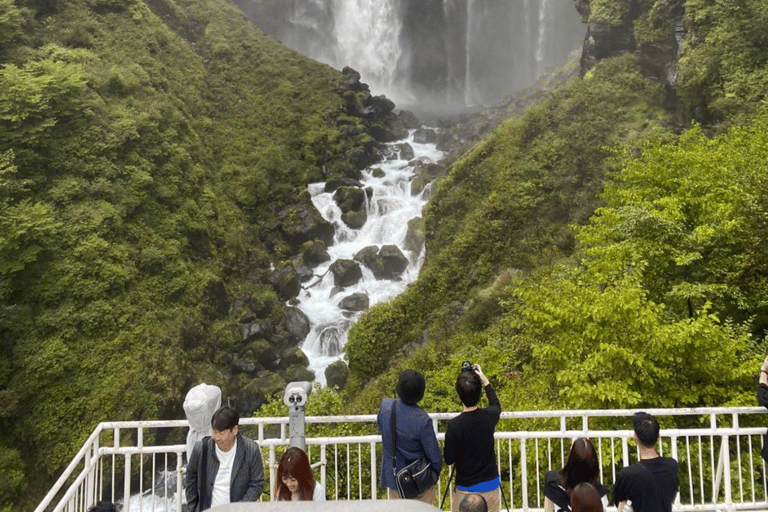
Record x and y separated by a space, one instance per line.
418 476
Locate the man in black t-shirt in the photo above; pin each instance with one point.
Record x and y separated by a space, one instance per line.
469 440
651 484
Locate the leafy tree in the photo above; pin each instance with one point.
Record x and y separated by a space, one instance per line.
677 218
606 345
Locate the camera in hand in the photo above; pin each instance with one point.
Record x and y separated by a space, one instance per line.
466 366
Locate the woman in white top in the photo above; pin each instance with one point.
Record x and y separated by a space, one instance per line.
295 481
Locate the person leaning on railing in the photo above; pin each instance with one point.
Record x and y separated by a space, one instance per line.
762 399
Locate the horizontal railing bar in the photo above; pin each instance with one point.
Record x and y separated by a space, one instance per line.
505 415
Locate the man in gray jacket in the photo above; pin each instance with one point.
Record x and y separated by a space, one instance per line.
224 468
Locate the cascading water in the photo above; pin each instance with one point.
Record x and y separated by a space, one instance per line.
389 208
450 53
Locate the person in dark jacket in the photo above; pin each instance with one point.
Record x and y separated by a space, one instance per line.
224 468
469 440
415 434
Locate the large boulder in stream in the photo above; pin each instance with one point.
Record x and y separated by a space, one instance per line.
414 238
351 201
297 323
385 263
302 223
286 282
355 302
345 272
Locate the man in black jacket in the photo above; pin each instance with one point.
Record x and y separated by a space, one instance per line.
224 468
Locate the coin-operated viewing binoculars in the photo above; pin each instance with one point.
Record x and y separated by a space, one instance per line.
295 398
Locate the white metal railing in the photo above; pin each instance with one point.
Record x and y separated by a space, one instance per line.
718 450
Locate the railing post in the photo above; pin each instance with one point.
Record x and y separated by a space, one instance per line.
524 473
726 456
179 486
272 473
373 472
127 483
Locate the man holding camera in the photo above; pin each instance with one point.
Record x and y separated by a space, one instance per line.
469 439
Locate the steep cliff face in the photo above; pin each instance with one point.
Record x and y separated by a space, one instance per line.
653 30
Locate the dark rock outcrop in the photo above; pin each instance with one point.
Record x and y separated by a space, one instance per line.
336 375
345 272
297 323
302 223
286 282
355 302
351 201
385 263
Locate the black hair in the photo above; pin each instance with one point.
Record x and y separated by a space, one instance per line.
647 429
225 418
469 388
103 506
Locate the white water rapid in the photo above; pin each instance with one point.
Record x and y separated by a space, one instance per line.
389 209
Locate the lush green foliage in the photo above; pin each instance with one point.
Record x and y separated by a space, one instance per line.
142 148
724 67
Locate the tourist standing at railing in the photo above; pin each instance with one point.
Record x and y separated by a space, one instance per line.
582 466
416 436
295 481
224 468
651 483
762 399
469 439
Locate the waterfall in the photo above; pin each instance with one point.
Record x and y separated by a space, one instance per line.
367 35
389 208
468 57
450 53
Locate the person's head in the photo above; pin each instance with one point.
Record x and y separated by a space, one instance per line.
410 386
585 498
294 474
469 387
103 506
581 466
224 423
473 503
646 429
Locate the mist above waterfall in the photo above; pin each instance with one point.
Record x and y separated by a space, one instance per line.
451 53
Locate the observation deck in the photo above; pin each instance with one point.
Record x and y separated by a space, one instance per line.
718 450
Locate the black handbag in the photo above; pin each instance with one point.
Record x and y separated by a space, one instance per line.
418 476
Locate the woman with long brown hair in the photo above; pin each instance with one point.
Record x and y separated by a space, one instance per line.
295 481
582 466
586 498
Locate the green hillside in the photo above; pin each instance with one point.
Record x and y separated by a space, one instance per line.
154 159
607 248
